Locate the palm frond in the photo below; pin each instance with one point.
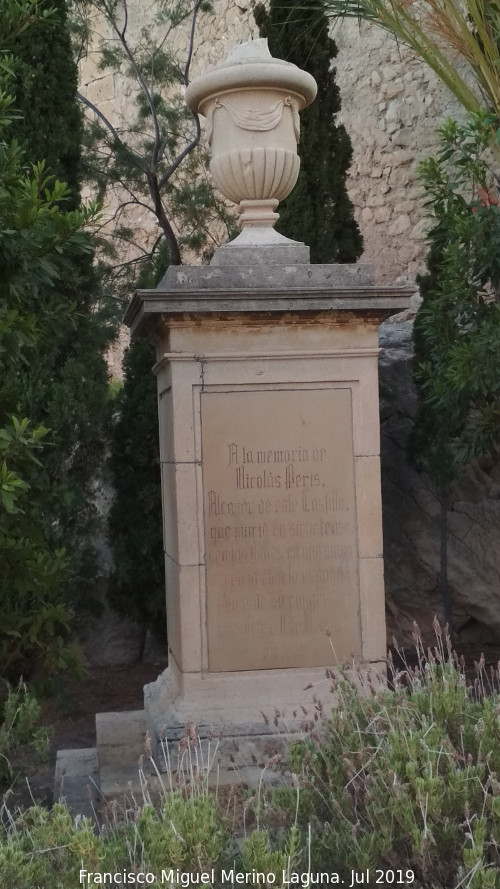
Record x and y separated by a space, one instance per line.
441 33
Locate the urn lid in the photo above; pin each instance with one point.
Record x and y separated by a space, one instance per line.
251 66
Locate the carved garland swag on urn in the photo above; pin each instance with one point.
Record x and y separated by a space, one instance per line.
254 146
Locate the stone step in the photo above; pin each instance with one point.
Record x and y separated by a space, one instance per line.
120 767
125 782
120 738
76 781
219 762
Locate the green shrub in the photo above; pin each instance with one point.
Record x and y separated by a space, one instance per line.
42 848
49 848
44 491
19 726
187 834
405 779
137 581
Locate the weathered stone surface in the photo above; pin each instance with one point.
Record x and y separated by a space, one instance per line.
234 253
294 290
411 519
262 273
76 780
120 737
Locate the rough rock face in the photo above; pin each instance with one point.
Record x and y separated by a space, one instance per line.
411 520
392 105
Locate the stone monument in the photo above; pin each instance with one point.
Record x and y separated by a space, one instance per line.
269 435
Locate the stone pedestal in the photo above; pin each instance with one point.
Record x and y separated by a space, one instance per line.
269 438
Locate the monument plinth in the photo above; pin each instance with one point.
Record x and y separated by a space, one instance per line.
269 446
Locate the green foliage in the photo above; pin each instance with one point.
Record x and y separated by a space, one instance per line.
457 329
18 15
406 780
137 583
64 846
318 211
187 834
457 333
39 243
149 162
68 394
19 727
43 848
33 615
260 855
48 123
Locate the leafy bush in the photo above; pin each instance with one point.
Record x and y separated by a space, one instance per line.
68 394
19 726
457 329
42 848
137 582
37 241
406 779
42 246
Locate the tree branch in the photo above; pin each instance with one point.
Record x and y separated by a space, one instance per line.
134 203
125 18
194 142
100 115
148 254
178 161
109 126
163 221
142 83
191 42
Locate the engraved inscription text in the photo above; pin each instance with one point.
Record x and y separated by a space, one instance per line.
280 528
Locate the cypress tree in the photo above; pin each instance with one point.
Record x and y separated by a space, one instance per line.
50 125
319 210
137 582
67 391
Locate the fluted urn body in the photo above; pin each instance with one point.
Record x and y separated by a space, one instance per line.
252 103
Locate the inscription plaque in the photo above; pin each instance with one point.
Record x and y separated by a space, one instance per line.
280 528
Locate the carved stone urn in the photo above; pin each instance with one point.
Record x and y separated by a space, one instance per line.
251 103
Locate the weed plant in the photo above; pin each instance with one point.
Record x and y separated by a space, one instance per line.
407 779
184 832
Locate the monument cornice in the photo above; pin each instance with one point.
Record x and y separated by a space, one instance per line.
149 308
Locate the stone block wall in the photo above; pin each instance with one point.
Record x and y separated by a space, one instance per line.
392 105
